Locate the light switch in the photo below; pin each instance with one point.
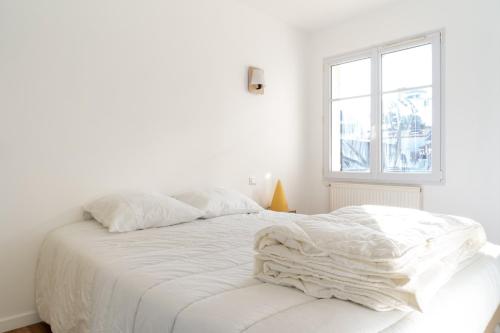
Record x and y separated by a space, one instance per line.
252 180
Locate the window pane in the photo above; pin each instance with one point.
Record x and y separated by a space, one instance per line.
351 134
407 68
351 79
407 131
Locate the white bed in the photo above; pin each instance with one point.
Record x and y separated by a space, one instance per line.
197 277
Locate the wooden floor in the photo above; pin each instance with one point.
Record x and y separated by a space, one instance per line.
36 328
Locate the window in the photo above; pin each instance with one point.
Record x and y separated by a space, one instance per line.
383 112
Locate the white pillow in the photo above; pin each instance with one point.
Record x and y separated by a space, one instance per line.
133 211
219 201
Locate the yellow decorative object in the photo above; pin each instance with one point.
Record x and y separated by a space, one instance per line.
279 203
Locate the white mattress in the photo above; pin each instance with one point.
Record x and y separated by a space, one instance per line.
197 277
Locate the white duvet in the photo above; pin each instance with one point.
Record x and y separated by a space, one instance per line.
382 257
197 277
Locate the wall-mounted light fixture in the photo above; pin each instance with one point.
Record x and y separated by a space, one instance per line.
256 81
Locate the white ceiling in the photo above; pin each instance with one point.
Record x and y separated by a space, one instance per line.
314 14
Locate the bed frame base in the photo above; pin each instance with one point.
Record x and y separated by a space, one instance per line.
495 320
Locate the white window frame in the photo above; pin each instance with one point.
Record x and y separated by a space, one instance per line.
376 174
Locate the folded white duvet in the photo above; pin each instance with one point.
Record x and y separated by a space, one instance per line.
381 257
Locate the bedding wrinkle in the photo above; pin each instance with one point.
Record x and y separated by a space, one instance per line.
190 259
172 330
182 277
276 313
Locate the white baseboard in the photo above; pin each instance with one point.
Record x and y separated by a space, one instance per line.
19 320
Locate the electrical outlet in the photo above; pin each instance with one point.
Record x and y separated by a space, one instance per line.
252 180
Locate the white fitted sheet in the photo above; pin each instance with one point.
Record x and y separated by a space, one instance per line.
197 277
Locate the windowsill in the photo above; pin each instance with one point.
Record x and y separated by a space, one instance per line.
400 180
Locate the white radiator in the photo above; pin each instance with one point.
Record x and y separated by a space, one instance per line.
348 194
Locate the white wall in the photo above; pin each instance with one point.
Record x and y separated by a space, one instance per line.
98 96
471 94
